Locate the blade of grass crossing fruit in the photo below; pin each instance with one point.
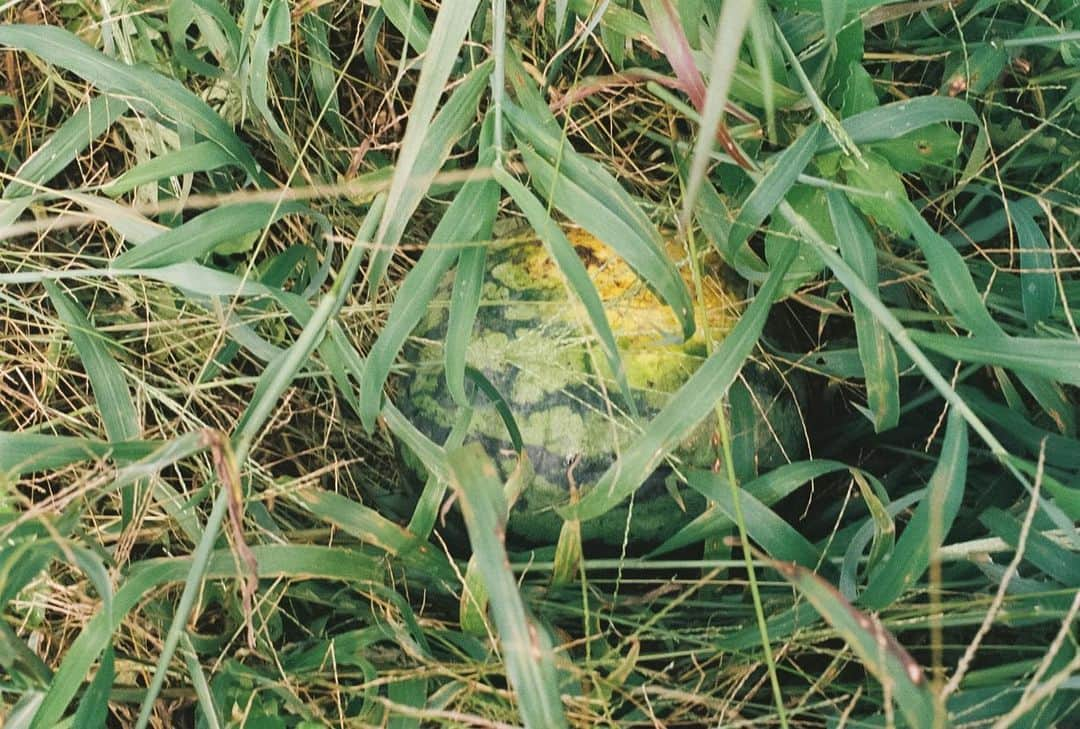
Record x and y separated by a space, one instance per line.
470 217
574 271
142 88
929 526
430 500
772 188
881 654
199 157
416 163
526 649
642 249
687 407
274 561
588 194
876 350
775 536
202 234
89 122
464 304
734 15
1038 284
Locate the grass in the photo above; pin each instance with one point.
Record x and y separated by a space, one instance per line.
224 222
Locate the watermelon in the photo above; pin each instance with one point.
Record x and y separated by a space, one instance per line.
533 343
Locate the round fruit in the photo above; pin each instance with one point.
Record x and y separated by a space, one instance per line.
533 343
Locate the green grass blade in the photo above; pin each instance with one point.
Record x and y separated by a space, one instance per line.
28 452
767 489
274 561
88 123
276 30
202 234
687 407
464 304
876 351
875 646
530 664
1038 284
890 121
1056 359
94 705
577 276
371 527
417 162
587 194
734 17
140 87
929 526
774 535
1045 554
408 17
772 188
470 217
111 393
321 65
952 279
198 157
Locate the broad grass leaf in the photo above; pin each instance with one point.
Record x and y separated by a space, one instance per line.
933 146
321 65
420 160
205 232
198 157
875 646
470 217
93 707
371 527
686 408
876 352
1041 551
107 379
767 489
1038 284
952 279
275 30
140 87
783 171
1055 359
530 664
880 190
409 18
274 561
464 305
574 271
894 120
774 535
930 524
29 452
591 197
64 144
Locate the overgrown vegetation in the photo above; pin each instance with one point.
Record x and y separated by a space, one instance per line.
223 220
